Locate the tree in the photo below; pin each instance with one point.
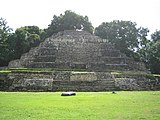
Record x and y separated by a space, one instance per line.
154 57
3 25
144 45
123 34
156 36
153 52
23 39
13 45
4 33
149 52
68 21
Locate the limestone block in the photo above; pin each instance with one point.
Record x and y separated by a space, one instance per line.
83 76
15 64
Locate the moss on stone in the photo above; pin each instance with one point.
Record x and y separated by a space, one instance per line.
134 73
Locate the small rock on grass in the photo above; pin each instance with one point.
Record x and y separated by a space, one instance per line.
68 94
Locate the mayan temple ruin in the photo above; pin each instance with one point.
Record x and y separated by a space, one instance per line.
76 50
77 61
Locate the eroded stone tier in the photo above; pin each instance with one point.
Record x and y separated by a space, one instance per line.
76 49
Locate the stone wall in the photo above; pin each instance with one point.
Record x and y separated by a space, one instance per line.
5 82
137 82
76 81
61 81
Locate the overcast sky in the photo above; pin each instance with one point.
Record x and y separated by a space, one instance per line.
18 13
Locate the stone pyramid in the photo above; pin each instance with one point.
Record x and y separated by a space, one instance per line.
83 62
76 50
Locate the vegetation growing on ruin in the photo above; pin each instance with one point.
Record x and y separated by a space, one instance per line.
38 70
133 73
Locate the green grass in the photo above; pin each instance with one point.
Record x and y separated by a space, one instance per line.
134 73
44 69
5 71
83 106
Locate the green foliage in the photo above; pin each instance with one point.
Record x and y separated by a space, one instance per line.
68 21
39 70
84 106
32 29
23 39
3 26
149 52
156 36
123 34
154 57
134 73
4 34
13 45
143 41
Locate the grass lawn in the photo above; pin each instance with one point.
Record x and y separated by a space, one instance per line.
84 106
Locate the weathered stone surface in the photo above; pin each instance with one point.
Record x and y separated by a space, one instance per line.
76 50
137 82
5 82
30 81
59 81
15 64
76 81
83 76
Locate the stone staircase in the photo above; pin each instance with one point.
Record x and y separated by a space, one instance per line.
76 49
71 50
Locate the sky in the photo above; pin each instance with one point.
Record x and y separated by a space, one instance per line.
19 13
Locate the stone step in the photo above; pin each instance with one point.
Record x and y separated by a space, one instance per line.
105 67
48 65
47 51
45 58
114 60
110 53
85 82
92 66
47 44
